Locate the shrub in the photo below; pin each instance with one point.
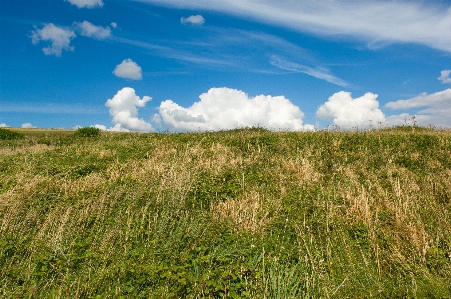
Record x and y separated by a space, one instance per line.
88 132
6 134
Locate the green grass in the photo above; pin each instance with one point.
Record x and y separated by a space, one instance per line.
245 213
6 134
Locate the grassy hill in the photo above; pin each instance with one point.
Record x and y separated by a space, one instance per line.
236 214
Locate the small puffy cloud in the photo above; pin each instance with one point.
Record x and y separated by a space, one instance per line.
90 30
445 76
437 109
28 126
124 110
113 24
86 3
3 125
195 20
58 37
347 112
128 69
226 108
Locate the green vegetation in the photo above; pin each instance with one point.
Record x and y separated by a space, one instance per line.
236 214
6 134
87 132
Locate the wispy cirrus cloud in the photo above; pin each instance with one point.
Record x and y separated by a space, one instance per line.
375 22
250 51
183 54
317 72
50 108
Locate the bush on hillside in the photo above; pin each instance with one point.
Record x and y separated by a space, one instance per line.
88 132
6 134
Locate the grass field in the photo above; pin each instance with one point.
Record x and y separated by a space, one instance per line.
245 213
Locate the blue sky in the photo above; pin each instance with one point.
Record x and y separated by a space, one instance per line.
178 65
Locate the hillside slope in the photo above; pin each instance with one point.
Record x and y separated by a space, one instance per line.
236 214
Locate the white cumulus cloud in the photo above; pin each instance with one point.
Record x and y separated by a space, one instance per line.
226 108
28 126
128 69
195 20
3 125
90 30
445 76
58 37
347 112
114 24
124 110
437 108
86 3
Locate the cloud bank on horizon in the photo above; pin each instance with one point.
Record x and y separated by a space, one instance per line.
28 126
437 108
227 108
373 21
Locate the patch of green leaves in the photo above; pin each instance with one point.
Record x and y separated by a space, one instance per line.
87 132
6 134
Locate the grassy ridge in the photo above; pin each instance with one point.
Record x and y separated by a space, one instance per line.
237 214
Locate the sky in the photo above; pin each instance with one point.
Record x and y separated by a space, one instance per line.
182 66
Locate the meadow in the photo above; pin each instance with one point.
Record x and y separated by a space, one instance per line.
246 213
